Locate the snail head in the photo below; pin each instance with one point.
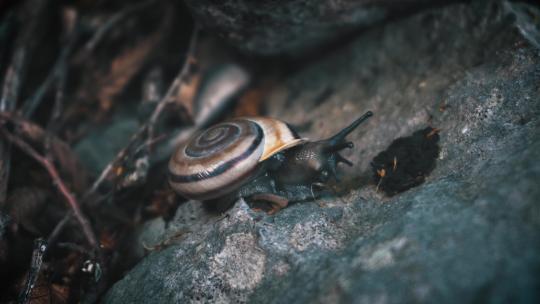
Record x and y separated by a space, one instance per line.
328 150
316 162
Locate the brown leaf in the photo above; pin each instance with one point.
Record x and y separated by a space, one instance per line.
250 103
122 69
186 93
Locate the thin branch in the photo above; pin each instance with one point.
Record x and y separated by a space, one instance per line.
52 124
56 114
58 100
31 104
180 78
148 127
31 130
12 82
69 37
59 183
72 246
59 227
8 101
118 159
149 143
40 247
31 14
108 25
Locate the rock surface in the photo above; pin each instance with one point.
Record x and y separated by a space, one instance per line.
470 233
270 27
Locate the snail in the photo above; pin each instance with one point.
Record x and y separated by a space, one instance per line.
258 158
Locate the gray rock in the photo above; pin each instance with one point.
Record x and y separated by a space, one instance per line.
102 144
270 27
470 233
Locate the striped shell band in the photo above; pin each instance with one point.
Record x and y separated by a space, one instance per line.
220 159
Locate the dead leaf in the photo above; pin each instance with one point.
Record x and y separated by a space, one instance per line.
186 93
122 69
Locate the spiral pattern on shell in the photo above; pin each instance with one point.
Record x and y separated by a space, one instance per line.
220 159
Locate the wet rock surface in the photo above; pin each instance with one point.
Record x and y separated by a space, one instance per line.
469 233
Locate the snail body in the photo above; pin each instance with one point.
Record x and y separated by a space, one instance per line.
255 157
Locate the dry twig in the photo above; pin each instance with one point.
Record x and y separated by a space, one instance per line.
59 227
33 12
31 104
59 183
40 247
54 147
167 99
10 92
108 25
147 128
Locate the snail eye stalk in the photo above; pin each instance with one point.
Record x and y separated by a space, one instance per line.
339 138
337 143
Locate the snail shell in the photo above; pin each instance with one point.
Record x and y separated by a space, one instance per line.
220 159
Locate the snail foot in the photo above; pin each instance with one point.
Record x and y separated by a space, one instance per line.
277 202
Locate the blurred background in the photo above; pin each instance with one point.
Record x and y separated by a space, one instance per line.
441 205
